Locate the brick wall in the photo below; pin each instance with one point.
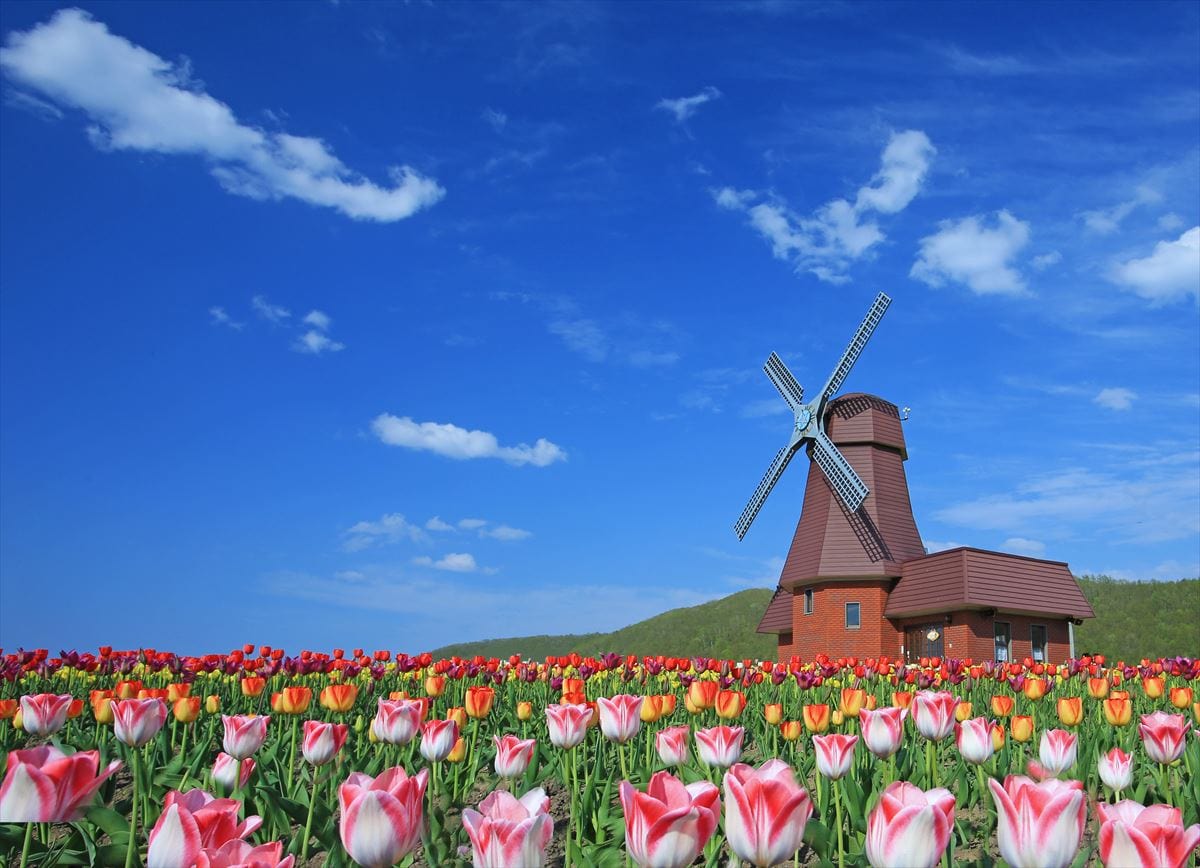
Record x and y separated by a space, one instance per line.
970 634
824 631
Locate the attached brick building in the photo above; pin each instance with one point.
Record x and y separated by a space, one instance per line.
861 583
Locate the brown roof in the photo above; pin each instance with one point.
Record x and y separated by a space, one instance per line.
778 617
974 578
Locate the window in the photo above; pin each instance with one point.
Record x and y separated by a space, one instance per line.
1037 638
852 621
808 602
1003 641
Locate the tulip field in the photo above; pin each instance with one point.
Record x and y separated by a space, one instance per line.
257 758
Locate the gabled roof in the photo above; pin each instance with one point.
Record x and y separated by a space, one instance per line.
778 617
971 578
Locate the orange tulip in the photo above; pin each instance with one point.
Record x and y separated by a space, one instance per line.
1118 694
1070 710
74 709
524 710
8 708
458 753
339 697
816 717
962 711
1118 712
871 702
1153 687
1181 697
435 685
852 701
773 713
1098 687
1002 705
668 704
730 704
703 694
837 718
1196 711
790 730
1035 688
186 708
294 700
212 703
479 701
997 736
176 692
102 707
651 708
253 685
1022 727
458 714
573 685
127 689
902 698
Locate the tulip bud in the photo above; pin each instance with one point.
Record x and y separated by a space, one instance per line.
478 701
837 718
435 685
790 729
1196 711
1118 712
962 711
1035 688
1070 710
212 703
524 711
852 701
102 708
359 723
1181 697
458 753
651 709
816 717
457 714
186 708
1153 687
773 713
175 692
997 736
1098 688
253 685
17 724
1002 705
1022 727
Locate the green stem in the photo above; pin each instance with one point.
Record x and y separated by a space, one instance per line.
25 846
312 800
837 800
291 775
129 847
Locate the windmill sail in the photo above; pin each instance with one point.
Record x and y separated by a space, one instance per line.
778 374
857 343
845 482
782 457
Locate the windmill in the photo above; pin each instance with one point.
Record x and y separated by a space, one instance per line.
809 425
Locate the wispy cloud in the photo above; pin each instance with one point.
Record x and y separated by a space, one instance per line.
495 118
932 546
683 108
137 101
452 441
1115 398
1019 545
219 316
1107 221
316 340
1170 273
272 313
481 526
27 102
504 533
436 524
472 523
390 528
583 336
970 252
454 562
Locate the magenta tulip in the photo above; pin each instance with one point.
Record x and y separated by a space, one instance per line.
620 717
225 767
512 755
44 785
834 754
668 825
1164 736
1116 769
720 746
672 745
882 730
44 713
909 827
1132 836
322 741
933 713
137 721
567 724
397 721
507 831
244 734
381 818
766 812
438 738
1039 825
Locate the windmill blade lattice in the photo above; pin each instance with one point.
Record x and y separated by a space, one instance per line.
782 457
865 329
851 490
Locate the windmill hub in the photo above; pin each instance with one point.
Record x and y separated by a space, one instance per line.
803 417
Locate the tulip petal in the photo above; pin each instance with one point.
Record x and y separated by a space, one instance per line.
27 795
174 840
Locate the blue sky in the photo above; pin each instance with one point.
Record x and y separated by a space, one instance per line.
398 324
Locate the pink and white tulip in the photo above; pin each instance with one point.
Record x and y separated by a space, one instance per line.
909 827
244 734
438 738
194 822
1116 769
620 716
567 724
1164 736
239 854
1132 836
1039 825
225 767
882 730
137 721
766 812
44 713
397 721
44 785
668 825
933 713
322 741
381 818
672 745
1057 751
720 746
834 754
512 755
974 740
507 831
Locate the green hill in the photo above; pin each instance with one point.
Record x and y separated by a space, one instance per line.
1133 620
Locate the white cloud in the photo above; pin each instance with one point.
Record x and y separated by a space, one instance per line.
1018 545
1170 222
472 523
932 546
1171 273
765 407
505 533
1045 260
318 320
454 563
459 443
392 527
1115 398
1108 221
969 252
495 118
219 316
136 100
583 336
315 343
272 313
684 107
27 102
837 233
436 524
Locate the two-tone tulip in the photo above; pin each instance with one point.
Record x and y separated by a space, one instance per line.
478 701
815 717
672 745
438 738
44 713
882 730
322 741
909 827
730 704
973 738
228 770
1116 769
773 713
382 817
397 721
668 825
339 697
512 755
186 709
620 717
567 724
1098 687
1145 837
44 785
1164 736
933 713
293 700
766 812
194 824
1070 710
1039 825
834 754
790 730
1180 697
702 695
508 831
1002 705
852 701
1057 751
243 734
1153 686
137 721
1021 727
253 686
1118 711
719 746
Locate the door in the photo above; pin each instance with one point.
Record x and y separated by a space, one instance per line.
923 640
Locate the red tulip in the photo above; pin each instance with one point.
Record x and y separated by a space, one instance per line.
137 721
933 713
478 701
668 825
507 831
766 812
44 713
620 717
1164 735
1116 769
438 738
909 827
381 818
834 754
397 720
223 771
512 755
882 730
1150 837
729 704
322 741
1039 825
672 745
720 746
244 734
43 785
567 724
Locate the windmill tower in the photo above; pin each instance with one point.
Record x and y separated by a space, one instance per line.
856 525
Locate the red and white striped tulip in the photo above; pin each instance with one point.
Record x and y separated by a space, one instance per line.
974 740
1116 769
834 754
508 831
194 822
44 713
668 825
224 767
397 721
567 724
44 785
882 729
244 734
720 746
909 827
239 854
381 818
137 721
766 812
438 738
620 717
1164 736
1145 837
1039 825
1057 751
933 713
672 745
512 755
322 741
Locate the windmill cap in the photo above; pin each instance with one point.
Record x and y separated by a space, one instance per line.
858 418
